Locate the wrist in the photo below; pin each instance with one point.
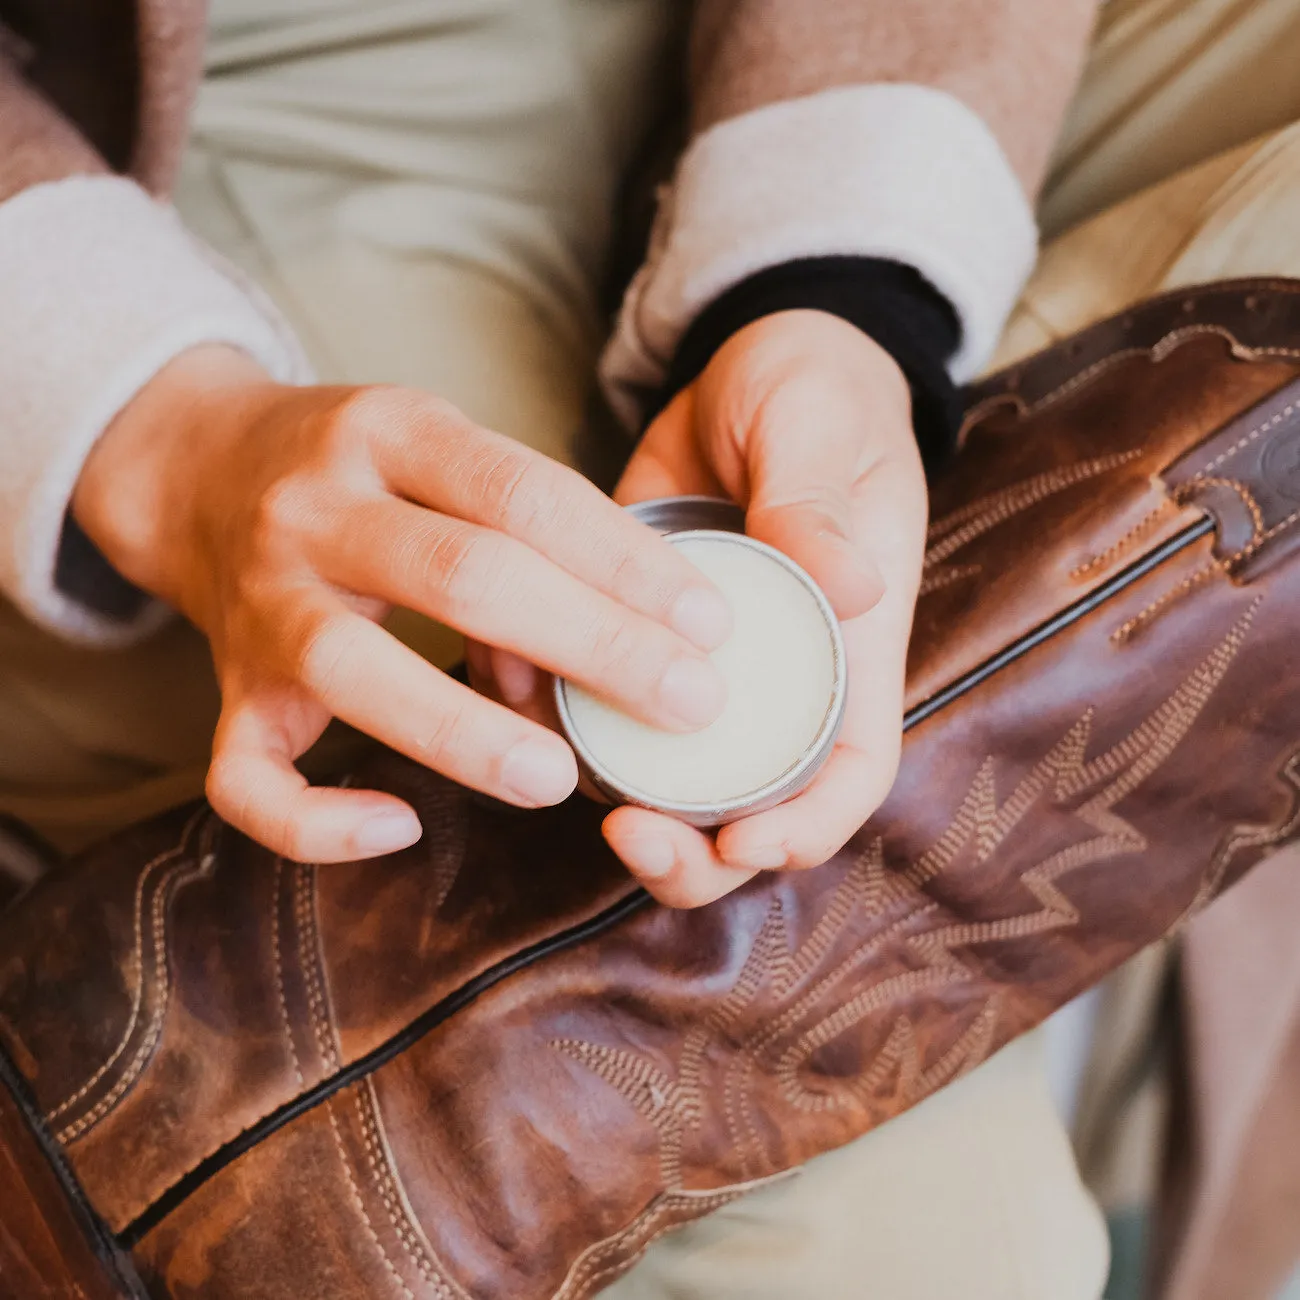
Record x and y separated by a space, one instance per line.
140 490
892 304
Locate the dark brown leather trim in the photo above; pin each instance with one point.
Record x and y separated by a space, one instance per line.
1251 314
1248 477
54 1214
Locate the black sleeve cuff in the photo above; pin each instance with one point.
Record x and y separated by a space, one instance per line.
83 574
891 302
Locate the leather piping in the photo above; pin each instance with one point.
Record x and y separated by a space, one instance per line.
442 1011
1071 614
181 1190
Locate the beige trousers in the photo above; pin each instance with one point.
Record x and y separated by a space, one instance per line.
424 187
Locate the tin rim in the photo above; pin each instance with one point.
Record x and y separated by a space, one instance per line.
785 784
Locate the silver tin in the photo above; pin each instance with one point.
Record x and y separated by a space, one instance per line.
700 516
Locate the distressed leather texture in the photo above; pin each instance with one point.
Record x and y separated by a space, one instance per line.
488 1067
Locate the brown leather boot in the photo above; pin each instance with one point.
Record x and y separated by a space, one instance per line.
490 1067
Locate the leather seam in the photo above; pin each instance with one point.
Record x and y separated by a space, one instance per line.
355 1189
175 880
1242 443
1126 630
387 1184
1240 488
1001 388
225 1150
137 959
308 960
592 1269
1104 559
278 959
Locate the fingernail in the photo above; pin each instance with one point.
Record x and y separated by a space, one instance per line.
702 616
651 858
387 832
537 772
692 690
765 858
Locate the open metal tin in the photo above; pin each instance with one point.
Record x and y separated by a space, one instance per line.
680 519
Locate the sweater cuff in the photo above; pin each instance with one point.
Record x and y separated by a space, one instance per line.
893 304
902 173
100 287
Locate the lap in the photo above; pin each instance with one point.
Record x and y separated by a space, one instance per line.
488 297
972 1193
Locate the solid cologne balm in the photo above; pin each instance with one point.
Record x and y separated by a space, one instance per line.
785 674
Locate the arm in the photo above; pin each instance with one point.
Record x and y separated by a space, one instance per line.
100 287
845 235
916 133
151 398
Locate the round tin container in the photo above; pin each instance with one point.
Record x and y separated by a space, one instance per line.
691 521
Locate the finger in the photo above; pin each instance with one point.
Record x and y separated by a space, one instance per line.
668 461
813 826
673 861
478 659
253 785
497 590
516 679
521 687
366 678
495 482
807 456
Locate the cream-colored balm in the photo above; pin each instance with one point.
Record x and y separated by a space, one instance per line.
784 670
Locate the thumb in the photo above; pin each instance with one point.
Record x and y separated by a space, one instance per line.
805 464
668 462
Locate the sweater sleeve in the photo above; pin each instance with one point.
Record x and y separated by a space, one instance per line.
915 134
100 287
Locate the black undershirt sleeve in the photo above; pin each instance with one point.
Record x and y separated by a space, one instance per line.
889 301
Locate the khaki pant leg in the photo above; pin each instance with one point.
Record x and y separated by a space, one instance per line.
972 1195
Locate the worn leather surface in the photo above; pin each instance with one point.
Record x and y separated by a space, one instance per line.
272 1080
50 1248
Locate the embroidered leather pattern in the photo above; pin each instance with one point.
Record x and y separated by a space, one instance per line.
958 529
792 1000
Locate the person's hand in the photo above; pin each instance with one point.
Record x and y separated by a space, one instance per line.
806 422
285 521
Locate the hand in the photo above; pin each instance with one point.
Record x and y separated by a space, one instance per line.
806 422
284 522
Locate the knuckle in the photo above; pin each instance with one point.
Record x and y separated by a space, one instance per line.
814 853
439 740
291 840
229 794
373 408
511 489
628 574
279 514
616 649
221 790
321 655
383 415
458 564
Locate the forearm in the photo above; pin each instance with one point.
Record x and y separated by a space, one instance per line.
1015 63
847 133
37 144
